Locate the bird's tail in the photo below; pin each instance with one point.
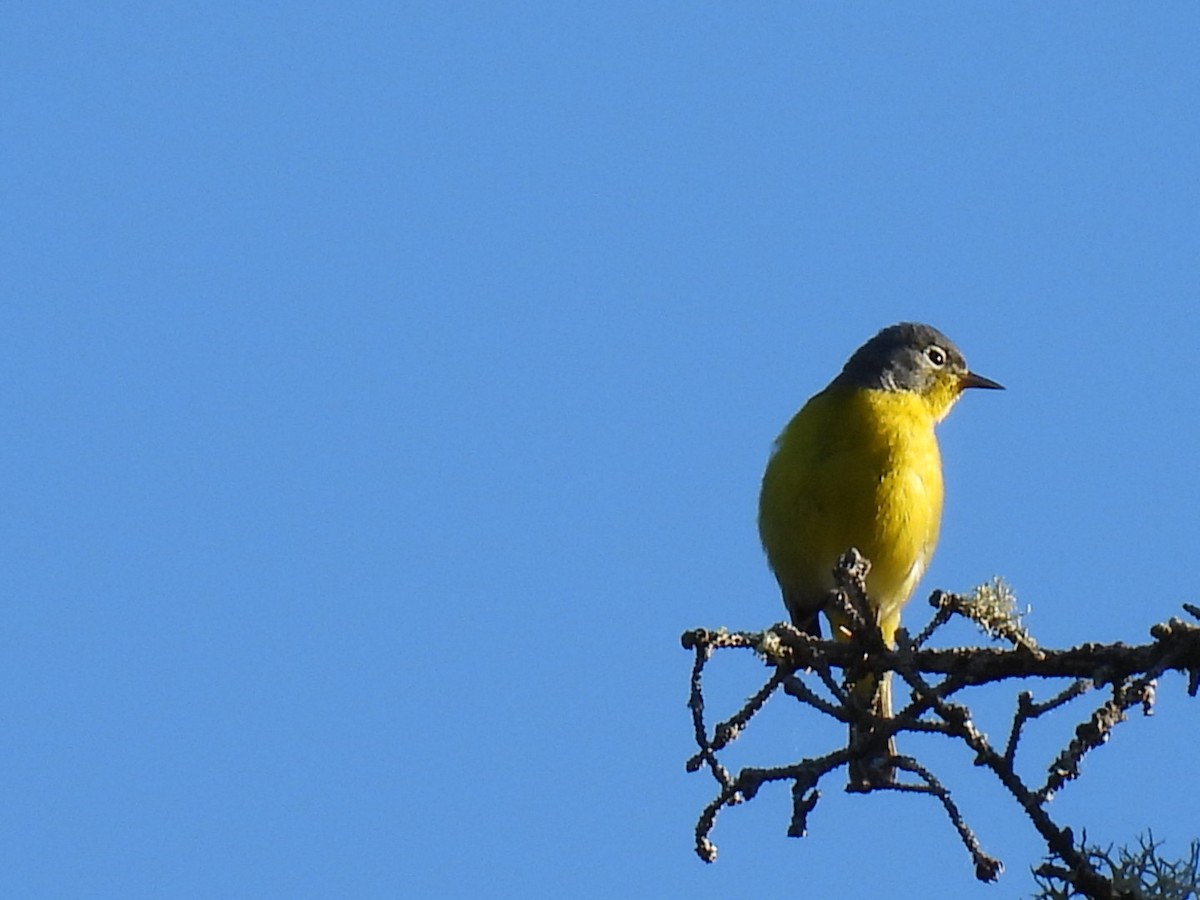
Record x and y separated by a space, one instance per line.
873 692
874 769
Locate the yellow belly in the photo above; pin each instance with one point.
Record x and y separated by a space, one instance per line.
854 468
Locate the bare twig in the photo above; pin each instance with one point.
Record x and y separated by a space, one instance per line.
987 868
1027 711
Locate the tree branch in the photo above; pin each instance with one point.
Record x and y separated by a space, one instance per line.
934 676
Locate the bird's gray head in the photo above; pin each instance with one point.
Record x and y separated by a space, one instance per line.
910 357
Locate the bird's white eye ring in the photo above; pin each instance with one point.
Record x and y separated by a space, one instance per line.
936 356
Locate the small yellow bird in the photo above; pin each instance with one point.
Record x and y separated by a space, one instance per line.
859 467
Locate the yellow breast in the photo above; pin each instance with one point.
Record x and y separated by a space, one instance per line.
854 468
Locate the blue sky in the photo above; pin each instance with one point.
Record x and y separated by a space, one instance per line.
387 388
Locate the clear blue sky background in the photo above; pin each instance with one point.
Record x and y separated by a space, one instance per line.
386 388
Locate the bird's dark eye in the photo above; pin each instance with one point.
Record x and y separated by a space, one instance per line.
936 356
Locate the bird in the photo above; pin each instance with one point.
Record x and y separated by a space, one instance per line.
859 467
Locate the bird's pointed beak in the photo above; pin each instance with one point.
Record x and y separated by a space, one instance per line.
971 380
